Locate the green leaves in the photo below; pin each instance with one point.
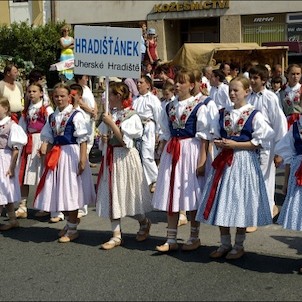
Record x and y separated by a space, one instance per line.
30 46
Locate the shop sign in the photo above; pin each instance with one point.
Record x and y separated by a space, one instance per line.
107 51
190 6
294 32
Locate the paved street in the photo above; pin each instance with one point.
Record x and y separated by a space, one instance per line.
35 267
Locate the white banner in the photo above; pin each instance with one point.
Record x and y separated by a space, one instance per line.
107 51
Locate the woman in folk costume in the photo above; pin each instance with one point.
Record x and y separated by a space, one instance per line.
235 194
32 121
186 129
12 139
122 186
66 184
290 150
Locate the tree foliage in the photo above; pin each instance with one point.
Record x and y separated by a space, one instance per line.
38 44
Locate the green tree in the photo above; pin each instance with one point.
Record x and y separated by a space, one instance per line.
38 44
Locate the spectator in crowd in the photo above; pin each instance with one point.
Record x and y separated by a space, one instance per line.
13 91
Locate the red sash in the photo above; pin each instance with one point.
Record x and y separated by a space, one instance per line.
51 161
109 163
173 148
292 118
298 175
25 152
219 163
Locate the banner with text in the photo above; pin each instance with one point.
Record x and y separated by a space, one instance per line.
107 51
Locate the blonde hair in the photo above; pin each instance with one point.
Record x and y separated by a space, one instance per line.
5 104
65 27
243 80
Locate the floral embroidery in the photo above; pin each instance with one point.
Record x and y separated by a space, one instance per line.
294 100
123 115
62 126
181 122
236 129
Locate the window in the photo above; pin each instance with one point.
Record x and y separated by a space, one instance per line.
16 1
294 18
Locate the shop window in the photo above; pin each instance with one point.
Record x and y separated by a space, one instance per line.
18 1
294 18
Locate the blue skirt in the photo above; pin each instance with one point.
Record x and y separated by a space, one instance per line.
241 197
291 213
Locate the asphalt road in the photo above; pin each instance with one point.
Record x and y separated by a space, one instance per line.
35 267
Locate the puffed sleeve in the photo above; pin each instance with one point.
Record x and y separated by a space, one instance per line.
131 128
165 133
17 137
46 133
262 134
103 130
81 130
213 119
203 123
285 147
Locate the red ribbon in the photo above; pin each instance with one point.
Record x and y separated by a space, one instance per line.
173 148
14 117
219 163
51 161
25 152
109 163
298 175
292 118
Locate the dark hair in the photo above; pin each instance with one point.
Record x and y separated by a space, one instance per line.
35 75
261 71
36 84
78 77
220 74
77 87
8 68
120 88
276 80
148 80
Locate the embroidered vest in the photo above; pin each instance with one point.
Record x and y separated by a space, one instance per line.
190 125
37 121
113 141
297 137
67 138
245 133
4 134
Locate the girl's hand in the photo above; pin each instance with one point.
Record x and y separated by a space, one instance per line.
225 143
278 160
200 171
104 138
10 172
81 167
107 118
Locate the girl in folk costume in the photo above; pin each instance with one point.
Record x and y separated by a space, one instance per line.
291 94
122 187
233 197
290 150
66 184
12 139
186 131
32 121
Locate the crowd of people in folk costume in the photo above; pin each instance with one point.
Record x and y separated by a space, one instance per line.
206 144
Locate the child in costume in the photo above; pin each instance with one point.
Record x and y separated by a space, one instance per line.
12 139
122 186
66 184
235 194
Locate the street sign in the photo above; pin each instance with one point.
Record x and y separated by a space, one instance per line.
107 51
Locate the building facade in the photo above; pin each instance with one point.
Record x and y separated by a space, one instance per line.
37 12
178 22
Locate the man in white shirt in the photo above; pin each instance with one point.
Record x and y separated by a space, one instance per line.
268 104
219 91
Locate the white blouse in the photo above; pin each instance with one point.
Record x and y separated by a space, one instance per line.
80 125
131 128
17 137
262 133
203 124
